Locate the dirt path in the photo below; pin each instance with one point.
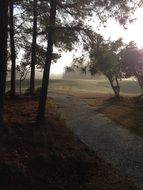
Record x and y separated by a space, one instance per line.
110 141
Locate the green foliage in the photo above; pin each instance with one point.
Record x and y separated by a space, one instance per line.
132 62
107 63
129 59
70 20
104 56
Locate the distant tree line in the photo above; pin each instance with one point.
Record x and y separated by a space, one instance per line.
33 34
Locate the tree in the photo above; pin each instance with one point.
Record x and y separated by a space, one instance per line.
71 17
33 56
78 10
3 50
43 94
22 71
139 70
100 57
108 64
132 63
105 58
52 26
129 60
12 48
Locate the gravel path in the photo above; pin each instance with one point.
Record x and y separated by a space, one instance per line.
111 142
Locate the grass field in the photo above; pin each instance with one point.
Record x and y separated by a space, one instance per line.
93 86
128 87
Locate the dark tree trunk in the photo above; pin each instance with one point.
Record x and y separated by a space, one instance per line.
33 56
45 81
12 48
115 87
3 50
20 91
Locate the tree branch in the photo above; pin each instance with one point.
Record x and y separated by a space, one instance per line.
60 28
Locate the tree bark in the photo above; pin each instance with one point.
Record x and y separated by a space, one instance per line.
33 56
3 50
45 81
20 81
12 48
116 87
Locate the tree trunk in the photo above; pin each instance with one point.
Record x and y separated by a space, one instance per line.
116 88
12 48
45 81
20 81
33 56
3 50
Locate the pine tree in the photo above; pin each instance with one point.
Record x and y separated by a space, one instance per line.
3 51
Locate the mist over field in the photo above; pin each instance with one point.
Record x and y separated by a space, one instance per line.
90 86
77 82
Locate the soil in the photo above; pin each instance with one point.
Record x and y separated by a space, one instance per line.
48 155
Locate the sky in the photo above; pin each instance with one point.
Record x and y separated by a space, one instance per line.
113 30
133 32
65 60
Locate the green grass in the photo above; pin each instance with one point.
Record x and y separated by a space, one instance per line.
91 86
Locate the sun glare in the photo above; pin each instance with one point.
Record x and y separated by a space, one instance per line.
134 31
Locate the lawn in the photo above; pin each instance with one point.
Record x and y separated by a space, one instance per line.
128 87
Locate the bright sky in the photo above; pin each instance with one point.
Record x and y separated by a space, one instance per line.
65 60
134 31
112 31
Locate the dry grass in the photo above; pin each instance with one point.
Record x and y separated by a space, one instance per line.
48 156
127 111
